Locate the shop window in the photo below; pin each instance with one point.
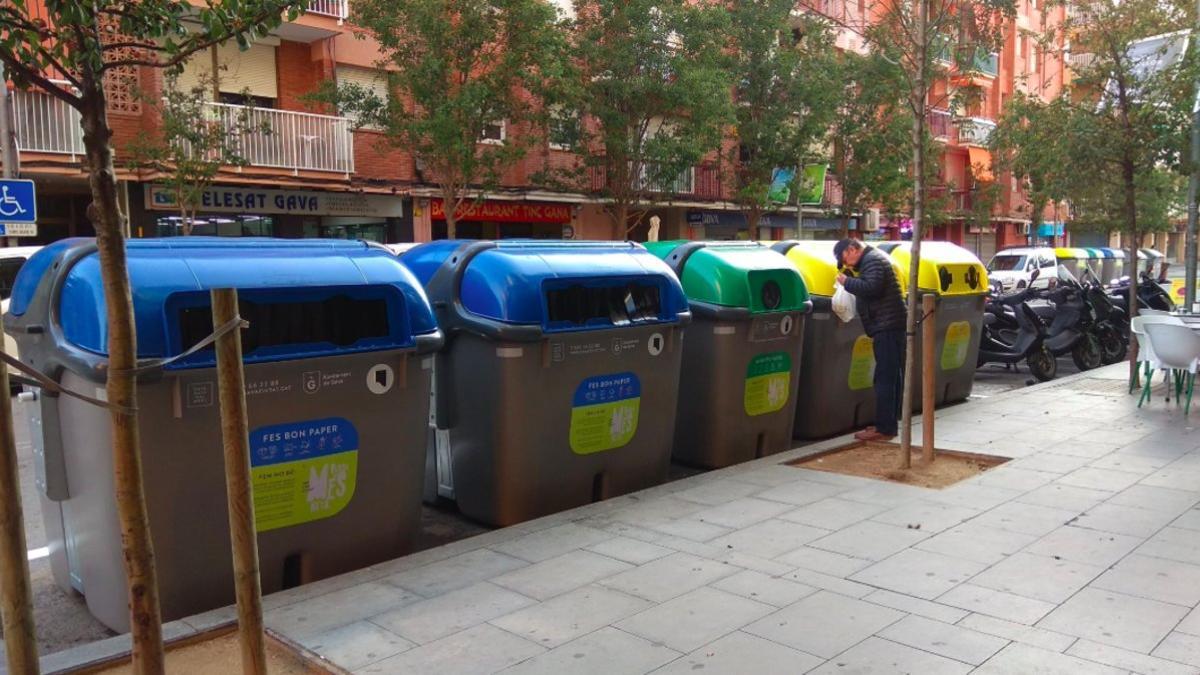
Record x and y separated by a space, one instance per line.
494 133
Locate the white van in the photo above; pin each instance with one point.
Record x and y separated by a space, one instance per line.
1014 266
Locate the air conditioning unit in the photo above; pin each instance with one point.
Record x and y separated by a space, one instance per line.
871 220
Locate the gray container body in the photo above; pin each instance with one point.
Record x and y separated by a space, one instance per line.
183 471
517 445
837 392
730 409
959 328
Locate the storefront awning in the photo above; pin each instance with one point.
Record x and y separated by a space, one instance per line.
981 164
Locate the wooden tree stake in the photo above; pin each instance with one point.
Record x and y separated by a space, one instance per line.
16 603
235 439
928 373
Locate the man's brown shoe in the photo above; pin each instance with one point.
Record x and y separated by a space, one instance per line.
870 434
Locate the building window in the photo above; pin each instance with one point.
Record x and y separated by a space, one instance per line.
565 131
493 133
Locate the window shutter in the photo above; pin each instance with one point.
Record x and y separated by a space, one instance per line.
373 80
253 69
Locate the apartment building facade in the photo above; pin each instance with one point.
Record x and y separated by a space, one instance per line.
315 174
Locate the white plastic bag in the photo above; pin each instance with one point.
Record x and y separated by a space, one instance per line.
845 305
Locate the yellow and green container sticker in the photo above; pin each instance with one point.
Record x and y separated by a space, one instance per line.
604 412
958 340
302 471
767 380
862 364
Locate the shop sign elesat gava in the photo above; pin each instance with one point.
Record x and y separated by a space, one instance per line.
218 199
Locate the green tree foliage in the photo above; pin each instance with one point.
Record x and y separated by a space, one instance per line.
871 136
786 94
653 94
459 70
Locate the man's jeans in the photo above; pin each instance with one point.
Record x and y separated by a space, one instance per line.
889 380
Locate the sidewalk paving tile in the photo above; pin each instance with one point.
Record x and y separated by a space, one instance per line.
666 578
1021 658
1178 479
885 494
1180 647
1123 461
824 624
1100 479
716 492
570 615
1067 497
1190 623
552 542
770 538
876 655
1154 578
997 604
870 540
544 580
833 513
977 542
691 529
607 651
1173 543
741 512
825 562
629 550
452 612
482 649
1016 478
455 573
319 614
356 645
827 582
1050 462
925 608
807 491
1175 502
763 588
1130 520
954 642
931 517
753 562
1016 632
1127 660
974 496
1189 520
1080 544
1026 518
694 619
918 573
1054 580
741 652
1116 619
1078 448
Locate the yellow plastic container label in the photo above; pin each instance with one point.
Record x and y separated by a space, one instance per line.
604 413
768 378
302 471
958 340
862 364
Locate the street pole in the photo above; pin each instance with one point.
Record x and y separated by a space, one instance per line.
8 139
1189 283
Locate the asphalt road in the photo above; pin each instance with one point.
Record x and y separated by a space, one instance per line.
62 617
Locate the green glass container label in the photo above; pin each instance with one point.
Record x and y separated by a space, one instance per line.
958 340
302 471
604 412
862 364
767 380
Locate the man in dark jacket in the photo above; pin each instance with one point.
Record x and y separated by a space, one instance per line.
881 308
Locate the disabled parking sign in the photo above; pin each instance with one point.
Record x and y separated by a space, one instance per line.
18 208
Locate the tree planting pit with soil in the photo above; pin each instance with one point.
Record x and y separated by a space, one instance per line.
879 460
218 652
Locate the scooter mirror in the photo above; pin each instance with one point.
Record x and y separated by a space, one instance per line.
1033 276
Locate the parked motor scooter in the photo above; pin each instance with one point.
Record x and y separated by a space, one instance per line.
1071 330
1150 294
1110 323
1028 343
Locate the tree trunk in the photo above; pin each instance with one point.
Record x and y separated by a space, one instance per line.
144 615
1131 225
753 217
620 219
846 210
914 302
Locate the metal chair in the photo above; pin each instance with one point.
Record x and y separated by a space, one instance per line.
1176 347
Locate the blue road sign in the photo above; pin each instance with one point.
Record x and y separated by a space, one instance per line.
18 201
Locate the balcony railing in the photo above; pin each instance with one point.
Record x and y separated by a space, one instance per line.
987 63
974 130
940 124
45 124
287 139
338 9
1080 61
685 183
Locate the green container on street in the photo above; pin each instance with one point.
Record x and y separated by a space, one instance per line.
741 359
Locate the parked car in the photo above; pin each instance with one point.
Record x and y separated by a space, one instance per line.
1014 267
12 259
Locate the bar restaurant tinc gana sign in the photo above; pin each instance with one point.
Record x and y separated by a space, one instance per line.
249 201
505 212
